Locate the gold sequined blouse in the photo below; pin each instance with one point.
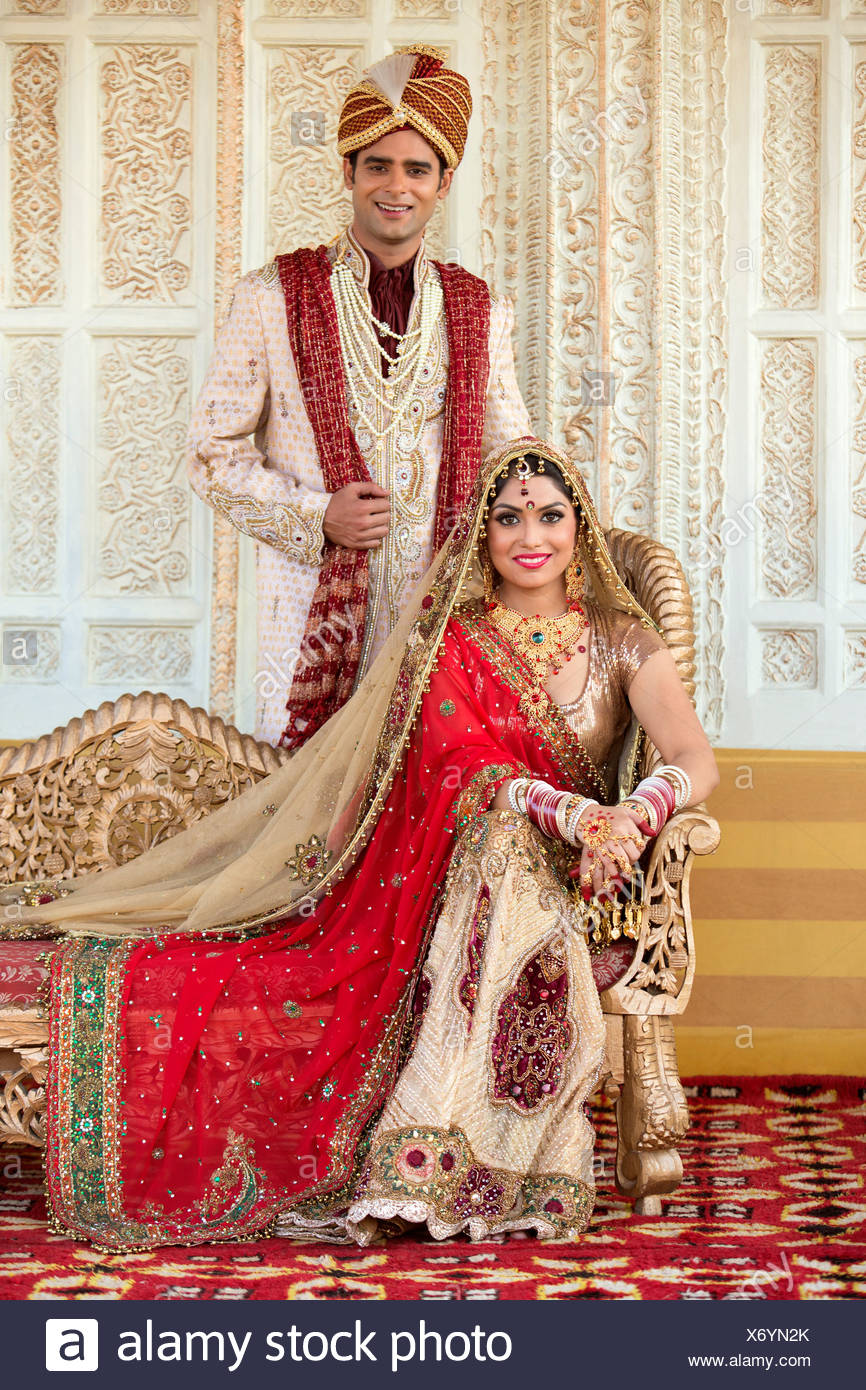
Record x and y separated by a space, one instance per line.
600 716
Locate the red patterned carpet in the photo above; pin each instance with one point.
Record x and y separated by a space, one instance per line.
772 1206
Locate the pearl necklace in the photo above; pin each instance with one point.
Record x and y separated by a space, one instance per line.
362 351
540 640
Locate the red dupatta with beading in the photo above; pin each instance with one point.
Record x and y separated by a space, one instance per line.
199 1087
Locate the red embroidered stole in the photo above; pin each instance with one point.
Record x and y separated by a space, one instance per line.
331 650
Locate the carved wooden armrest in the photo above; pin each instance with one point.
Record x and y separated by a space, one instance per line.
22 1093
659 979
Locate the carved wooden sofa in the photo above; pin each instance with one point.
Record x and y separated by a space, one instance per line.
125 776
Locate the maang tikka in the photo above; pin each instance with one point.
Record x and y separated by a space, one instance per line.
524 473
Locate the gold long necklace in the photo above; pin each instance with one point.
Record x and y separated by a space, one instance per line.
540 640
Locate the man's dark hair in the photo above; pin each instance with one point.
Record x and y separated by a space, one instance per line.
353 159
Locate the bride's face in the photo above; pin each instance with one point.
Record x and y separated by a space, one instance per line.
531 539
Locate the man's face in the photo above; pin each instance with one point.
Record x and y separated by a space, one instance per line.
395 189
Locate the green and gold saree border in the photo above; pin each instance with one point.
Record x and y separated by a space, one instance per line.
83 1170
83 1177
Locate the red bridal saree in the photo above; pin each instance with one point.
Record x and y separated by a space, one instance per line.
200 1088
404 1027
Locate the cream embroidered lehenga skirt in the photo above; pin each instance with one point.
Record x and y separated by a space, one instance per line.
485 1130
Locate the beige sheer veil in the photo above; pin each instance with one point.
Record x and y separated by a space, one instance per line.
274 850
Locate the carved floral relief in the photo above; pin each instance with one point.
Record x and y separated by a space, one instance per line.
143 496
146 147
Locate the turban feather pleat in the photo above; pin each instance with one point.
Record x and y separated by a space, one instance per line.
392 95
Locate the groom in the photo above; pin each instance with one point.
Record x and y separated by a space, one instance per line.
373 380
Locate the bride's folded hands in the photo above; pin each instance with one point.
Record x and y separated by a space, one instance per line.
612 841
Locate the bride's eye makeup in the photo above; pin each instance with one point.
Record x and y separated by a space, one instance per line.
505 518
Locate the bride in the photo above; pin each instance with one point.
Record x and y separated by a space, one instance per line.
361 995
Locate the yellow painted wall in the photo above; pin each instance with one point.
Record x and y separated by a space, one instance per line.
780 920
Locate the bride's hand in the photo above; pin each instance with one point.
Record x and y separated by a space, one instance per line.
612 859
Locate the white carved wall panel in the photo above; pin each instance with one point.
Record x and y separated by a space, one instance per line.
146 147
31 521
106 317
627 130
794 532
147 7
33 134
789 659
788 529
572 407
38 7
140 654
855 659
143 501
790 212
791 7
858 175
32 655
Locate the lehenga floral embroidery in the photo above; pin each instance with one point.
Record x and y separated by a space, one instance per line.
416 1161
234 1186
533 1035
480 1194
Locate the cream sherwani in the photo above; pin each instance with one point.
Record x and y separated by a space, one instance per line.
271 486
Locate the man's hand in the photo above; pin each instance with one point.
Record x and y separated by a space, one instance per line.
358 516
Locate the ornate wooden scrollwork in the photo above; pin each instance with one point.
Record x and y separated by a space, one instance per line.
22 1094
651 1112
659 979
108 786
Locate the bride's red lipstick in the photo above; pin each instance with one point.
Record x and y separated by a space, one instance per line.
532 562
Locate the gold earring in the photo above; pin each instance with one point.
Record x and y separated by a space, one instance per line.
487 574
574 586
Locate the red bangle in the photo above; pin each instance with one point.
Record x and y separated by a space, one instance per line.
541 804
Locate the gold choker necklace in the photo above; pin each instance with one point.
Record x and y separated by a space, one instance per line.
540 640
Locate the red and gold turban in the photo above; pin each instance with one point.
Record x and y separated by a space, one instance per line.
410 88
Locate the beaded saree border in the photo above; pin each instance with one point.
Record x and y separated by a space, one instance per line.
83 1178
